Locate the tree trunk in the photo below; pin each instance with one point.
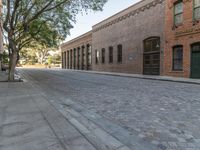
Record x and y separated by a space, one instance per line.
12 65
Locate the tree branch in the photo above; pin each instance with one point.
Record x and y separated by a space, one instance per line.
16 5
5 24
59 4
39 12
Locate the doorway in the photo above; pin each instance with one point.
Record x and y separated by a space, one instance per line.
151 58
195 61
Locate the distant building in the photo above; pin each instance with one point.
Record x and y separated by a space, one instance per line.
182 45
153 37
131 41
1 36
77 53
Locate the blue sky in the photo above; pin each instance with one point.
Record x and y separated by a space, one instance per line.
85 22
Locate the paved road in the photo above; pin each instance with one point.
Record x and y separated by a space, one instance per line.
131 113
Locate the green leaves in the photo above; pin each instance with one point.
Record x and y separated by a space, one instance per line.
44 21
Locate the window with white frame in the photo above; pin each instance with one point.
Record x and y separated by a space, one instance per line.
196 10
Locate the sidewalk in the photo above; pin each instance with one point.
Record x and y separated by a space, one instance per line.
148 77
3 76
28 121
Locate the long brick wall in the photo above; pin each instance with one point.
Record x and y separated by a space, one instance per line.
129 28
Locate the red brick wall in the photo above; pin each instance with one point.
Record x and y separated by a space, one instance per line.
130 30
174 37
79 42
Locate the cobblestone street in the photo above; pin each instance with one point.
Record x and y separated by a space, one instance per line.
160 113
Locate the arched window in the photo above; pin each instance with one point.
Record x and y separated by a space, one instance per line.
152 44
151 59
178 58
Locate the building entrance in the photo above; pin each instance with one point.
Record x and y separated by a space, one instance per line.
195 61
151 56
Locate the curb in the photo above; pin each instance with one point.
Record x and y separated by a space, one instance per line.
178 80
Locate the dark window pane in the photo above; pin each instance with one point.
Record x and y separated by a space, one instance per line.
110 54
152 44
147 57
103 56
178 58
196 48
157 56
119 53
147 62
147 46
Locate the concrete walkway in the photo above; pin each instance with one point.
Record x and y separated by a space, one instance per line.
148 77
3 76
44 112
31 120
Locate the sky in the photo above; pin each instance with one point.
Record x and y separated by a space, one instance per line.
84 22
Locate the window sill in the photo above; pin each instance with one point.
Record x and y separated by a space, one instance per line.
175 26
195 21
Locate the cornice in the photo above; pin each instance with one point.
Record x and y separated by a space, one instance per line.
77 38
128 15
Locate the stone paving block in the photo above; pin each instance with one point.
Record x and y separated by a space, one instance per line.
123 148
137 105
71 134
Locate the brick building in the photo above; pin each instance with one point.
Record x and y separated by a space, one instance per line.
77 53
130 41
182 44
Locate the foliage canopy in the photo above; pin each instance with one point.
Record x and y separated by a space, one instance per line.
40 20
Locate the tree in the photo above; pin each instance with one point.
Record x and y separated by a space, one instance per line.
41 44
23 20
28 56
54 59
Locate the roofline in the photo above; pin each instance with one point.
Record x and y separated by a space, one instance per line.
118 13
74 39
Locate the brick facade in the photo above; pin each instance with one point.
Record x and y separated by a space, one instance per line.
184 34
128 28
76 54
